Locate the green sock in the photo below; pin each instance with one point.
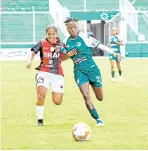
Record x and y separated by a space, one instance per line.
94 114
113 74
120 72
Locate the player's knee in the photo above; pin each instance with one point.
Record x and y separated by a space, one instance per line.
100 98
112 66
40 98
57 99
40 103
57 103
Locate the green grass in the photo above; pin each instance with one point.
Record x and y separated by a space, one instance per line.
124 110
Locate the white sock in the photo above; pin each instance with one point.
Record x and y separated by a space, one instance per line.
39 112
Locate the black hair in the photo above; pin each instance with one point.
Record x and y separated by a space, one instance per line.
70 19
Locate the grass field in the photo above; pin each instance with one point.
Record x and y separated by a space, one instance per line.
124 110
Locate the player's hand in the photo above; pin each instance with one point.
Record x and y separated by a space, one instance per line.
115 41
72 53
28 65
57 49
118 55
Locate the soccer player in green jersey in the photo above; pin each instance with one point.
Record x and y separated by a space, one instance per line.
86 71
115 43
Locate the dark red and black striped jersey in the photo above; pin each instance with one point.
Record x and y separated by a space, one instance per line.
50 59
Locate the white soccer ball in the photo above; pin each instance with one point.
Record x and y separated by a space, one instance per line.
81 132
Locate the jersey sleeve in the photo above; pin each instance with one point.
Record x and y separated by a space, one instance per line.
92 41
37 48
89 41
119 38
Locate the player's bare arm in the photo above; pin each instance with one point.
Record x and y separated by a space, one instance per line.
72 53
119 43
30 58
105 48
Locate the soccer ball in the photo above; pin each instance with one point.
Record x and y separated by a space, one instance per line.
81 132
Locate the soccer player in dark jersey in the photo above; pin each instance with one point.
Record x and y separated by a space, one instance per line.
41 54
86 72
50 74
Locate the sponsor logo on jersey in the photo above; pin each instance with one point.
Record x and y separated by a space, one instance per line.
79 60
78 44
51 55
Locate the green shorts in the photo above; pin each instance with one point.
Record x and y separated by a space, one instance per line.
112 57
93 77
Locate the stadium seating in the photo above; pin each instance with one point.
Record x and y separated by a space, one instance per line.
73 5
16 28
102 5
91 5
19 27
19 5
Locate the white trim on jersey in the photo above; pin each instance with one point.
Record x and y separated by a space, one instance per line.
105 48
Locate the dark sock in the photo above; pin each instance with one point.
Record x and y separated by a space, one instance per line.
113 74
40 120
120 72
94 114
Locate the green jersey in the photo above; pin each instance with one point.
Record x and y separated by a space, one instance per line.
114 46
85 69
83 44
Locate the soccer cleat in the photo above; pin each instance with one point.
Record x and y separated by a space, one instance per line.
38 67
113 80
40 122
99 123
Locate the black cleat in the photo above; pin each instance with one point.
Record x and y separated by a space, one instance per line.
38 67
40 122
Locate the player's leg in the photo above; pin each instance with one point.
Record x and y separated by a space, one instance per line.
41 94
99 95
57 86
41 84
38 67
112 62
98 92
95 81
84 89
83 84
119 69
57 97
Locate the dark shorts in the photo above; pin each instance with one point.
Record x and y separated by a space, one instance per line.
112 57
93 77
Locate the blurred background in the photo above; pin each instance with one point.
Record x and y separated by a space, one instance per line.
23 23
